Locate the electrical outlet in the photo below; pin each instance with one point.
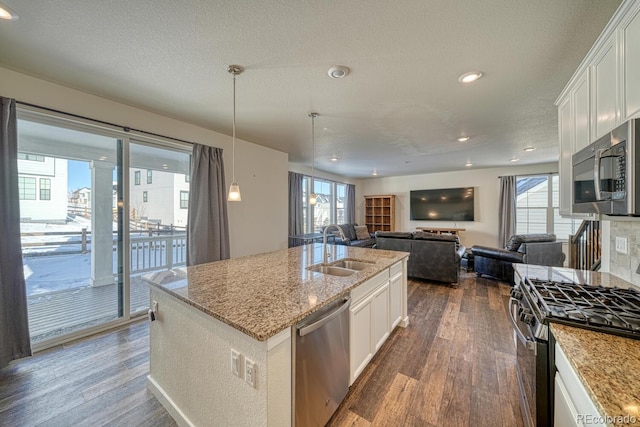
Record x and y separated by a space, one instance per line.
621 244
250 372
236 363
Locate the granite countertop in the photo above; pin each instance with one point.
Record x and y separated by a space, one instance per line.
261 295
608 366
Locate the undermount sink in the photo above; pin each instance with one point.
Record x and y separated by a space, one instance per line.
332 270
352 264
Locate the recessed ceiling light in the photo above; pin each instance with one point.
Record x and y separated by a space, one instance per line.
165 166
468 164
514 159
375 173
463 139
338 72
530 149
334 159
7 14
469 77
102 158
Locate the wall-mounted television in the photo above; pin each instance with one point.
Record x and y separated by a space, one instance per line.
446 204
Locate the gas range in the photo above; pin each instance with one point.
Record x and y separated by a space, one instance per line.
610 310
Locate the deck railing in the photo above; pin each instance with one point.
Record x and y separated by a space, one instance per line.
147 253
585 247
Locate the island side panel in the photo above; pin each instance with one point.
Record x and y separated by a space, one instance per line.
190 367
405 309
279 380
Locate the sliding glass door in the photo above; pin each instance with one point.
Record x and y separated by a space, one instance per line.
68 193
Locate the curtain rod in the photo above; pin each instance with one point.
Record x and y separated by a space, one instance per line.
102 122
529 174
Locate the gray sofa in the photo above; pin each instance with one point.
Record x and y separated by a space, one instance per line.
433 256
352 240
540 249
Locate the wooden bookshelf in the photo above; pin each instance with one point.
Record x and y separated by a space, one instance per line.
380 213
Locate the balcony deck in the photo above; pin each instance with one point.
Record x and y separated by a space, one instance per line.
66 311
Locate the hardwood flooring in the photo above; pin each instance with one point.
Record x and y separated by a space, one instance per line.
453 365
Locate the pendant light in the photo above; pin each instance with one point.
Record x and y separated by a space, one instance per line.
313 199
234 189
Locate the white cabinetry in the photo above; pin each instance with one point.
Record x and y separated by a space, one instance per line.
395 295
631 42
380 316
572 404
565 125
581 112
605 89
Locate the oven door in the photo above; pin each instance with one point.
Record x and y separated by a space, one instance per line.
531 367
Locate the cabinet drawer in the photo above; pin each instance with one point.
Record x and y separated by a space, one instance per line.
369 286
395 269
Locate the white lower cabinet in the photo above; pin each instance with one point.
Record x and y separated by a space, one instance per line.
380 317
572 404
361 350
395 300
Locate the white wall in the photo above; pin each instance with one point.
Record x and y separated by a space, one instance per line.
482 231
305 170
257 224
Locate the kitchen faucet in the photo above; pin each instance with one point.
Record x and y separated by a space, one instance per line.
325 254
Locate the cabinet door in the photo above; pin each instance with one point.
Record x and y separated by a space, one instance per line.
565 127
360 349
395 301
564 412
631 34
380 316
605 99
580 100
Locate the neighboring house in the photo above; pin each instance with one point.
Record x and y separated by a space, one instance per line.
160 197
42 186
80 201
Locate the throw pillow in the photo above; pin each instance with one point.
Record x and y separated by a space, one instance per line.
361 232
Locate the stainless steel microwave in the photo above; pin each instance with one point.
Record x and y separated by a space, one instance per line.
605 173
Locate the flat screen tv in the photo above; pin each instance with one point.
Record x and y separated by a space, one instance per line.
446 204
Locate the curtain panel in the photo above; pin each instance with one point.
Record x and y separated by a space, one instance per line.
208 221
296 218
350 204
507 210
14 323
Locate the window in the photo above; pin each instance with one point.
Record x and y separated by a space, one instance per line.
31 157
538 207
186 177
330 208
145 196
45 189
149 176
137 178
26 188
184 200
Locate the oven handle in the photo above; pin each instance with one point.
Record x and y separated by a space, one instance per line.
529 344
596 174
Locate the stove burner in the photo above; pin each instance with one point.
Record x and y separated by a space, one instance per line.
613 310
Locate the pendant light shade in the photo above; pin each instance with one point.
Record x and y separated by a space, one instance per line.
234 188
313 199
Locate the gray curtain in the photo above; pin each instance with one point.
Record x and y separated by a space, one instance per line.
295 204
507 210
14 323
208 221
350 206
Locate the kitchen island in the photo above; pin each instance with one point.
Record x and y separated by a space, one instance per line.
250 306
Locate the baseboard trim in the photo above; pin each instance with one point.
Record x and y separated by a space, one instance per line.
404 322
167 403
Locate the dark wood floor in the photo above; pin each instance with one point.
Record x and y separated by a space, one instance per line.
453 365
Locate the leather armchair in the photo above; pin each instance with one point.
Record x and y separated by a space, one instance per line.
540 249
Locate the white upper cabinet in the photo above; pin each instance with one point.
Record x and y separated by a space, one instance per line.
581 112
565 125
631 41
605 89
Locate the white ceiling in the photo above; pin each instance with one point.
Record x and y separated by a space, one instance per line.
400 109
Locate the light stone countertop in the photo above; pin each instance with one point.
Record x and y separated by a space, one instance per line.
608 365
609 368
261 295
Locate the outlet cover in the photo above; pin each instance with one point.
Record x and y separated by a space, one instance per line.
250 372
236 363
621 244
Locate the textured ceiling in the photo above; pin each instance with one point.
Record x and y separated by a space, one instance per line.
400 109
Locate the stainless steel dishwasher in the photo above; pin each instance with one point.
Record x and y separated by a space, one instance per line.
321 364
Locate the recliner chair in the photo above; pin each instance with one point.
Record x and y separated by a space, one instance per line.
540 249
